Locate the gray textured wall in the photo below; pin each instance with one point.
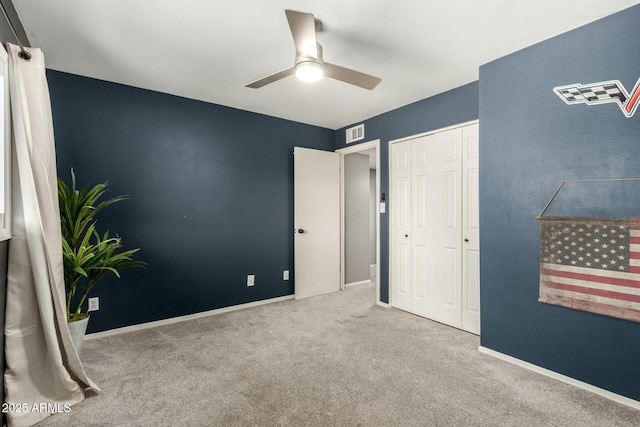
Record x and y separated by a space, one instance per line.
356 175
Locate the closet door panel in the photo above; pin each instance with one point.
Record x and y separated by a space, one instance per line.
419 226
401 223
444 173
471 230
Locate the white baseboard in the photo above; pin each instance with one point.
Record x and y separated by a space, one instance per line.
172 320
352 284
565 379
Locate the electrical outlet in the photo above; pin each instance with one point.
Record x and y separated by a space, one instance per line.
94 304
285 275
251 280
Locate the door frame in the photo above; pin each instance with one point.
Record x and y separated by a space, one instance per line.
365 146
394 141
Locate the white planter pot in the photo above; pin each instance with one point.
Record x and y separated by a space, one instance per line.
78 330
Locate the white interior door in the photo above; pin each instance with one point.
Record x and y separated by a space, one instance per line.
470 230
316 222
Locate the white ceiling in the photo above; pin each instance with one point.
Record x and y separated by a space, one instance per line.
209 49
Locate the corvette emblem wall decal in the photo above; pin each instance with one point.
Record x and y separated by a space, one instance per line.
601 93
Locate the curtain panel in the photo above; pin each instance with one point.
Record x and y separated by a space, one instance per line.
43 373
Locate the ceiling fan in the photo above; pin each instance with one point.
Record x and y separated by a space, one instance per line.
309 65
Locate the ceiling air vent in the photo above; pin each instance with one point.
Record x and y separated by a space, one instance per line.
355 133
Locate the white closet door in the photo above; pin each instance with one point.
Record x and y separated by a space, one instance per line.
444 225
470 230
434 227
421 253
401 225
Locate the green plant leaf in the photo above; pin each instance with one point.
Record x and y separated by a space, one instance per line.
88 256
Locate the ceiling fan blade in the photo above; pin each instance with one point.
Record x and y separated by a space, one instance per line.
303 30
353 77
272 78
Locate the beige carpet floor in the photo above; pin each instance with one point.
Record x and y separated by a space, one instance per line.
333 360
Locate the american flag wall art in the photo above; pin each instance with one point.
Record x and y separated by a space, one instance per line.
591 264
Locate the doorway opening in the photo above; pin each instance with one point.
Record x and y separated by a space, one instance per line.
360 215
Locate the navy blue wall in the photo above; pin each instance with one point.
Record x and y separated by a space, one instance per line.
530 141
211 192
449 108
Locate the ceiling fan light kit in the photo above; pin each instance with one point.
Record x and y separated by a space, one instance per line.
309 71
309 65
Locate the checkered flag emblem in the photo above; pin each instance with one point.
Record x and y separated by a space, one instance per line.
601 93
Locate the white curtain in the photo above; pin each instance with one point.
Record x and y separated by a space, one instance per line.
41 365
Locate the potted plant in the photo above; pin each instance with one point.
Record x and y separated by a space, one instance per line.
87 255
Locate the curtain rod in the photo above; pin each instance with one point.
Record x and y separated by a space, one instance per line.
23 52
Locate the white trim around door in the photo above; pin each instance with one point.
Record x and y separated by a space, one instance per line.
357 149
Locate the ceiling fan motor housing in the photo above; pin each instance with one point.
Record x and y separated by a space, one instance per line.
302 57
309 65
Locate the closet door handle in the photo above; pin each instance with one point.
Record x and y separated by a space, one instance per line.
466 240
406 235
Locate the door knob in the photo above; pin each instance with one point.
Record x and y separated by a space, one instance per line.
466 240
406 235
300 231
